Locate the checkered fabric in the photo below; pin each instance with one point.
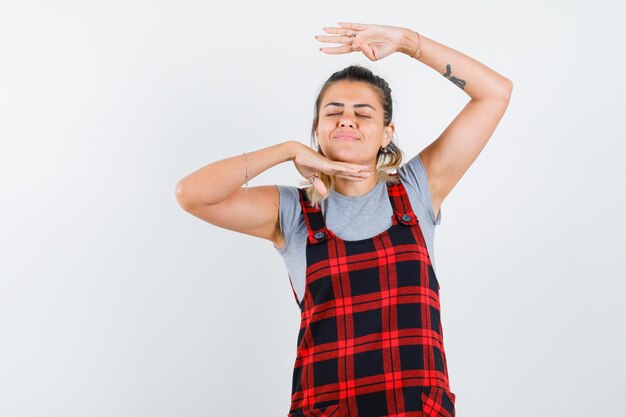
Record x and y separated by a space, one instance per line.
370 341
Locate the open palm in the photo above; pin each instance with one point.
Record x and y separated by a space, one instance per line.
375 41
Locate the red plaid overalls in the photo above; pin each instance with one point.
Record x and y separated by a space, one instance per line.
370 341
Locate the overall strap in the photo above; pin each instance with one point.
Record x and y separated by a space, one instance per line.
314 219
400 202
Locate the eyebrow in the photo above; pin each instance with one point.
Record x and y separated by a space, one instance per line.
334 103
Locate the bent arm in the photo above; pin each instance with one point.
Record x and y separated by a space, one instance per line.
214 182
214 193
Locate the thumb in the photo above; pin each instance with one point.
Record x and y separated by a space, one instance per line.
320 187
367 51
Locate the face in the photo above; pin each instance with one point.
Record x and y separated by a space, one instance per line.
351 123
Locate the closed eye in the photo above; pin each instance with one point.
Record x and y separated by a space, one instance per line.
361 115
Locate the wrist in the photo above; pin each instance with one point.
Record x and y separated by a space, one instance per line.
290 149
409 43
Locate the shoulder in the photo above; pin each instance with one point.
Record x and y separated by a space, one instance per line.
413 173
289 197
290 211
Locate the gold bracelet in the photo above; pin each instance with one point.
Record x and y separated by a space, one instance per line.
246 179
418 52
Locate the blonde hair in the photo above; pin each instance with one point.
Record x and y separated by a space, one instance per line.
386 163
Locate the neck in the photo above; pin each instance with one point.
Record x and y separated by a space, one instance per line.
356 188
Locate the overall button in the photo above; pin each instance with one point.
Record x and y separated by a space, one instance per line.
407 218
319 235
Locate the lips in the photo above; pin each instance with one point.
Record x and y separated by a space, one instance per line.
346 136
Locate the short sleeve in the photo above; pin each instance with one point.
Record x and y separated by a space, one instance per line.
415 175
288 212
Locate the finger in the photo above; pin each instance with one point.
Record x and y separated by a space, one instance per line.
352 168
352 171
334 39
351 175
320 187
342 31
367 51
349 166
343 49
350 25
355 177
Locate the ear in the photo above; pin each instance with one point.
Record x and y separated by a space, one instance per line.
388 133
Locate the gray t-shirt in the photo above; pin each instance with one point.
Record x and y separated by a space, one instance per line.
353 217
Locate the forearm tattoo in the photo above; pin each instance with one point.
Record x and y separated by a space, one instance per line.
459 82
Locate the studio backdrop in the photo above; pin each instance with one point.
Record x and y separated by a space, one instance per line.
114 301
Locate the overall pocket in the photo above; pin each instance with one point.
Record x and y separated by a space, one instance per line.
438 402
330 410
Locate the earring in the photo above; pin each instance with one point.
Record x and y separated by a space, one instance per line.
384 149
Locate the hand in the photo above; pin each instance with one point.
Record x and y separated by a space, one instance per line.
375 41
308 163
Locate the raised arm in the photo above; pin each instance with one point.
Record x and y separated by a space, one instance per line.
449 156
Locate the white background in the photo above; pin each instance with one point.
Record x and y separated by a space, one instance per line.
116 302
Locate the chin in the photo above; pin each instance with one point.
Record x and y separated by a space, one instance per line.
351 157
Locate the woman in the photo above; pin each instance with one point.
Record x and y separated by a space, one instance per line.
357 240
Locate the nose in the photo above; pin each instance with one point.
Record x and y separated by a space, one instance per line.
346 122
